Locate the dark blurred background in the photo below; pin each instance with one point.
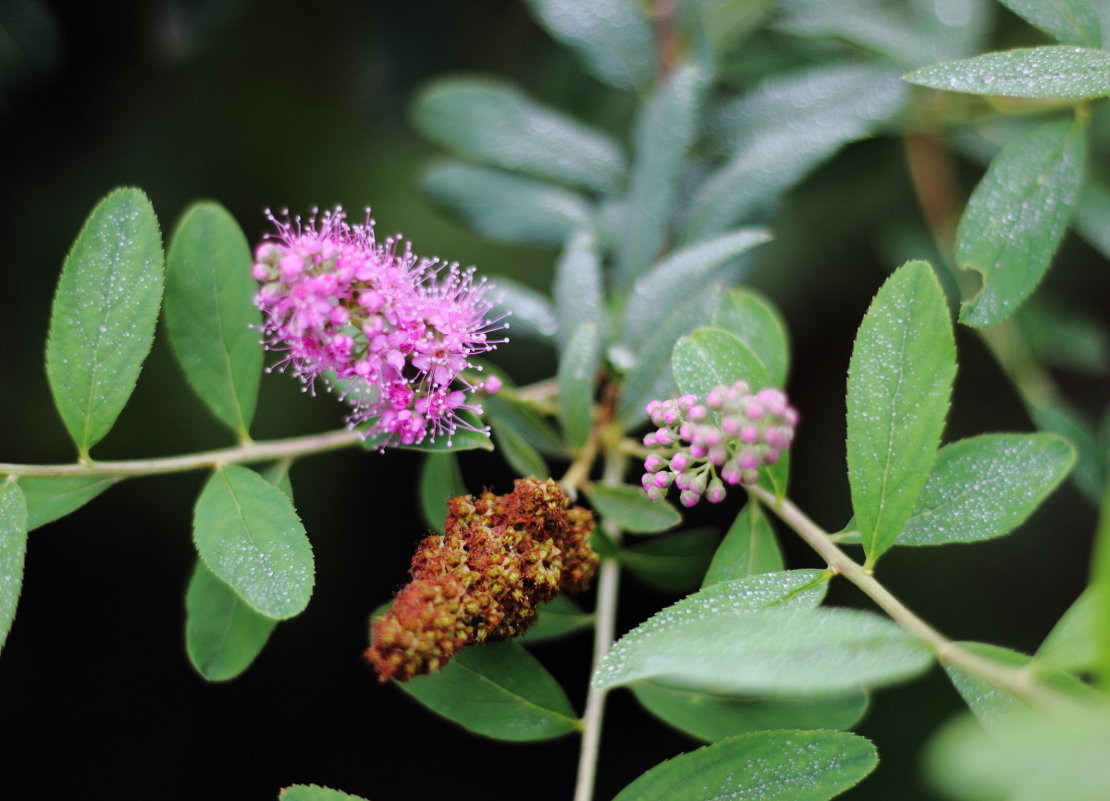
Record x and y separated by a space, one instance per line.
290 104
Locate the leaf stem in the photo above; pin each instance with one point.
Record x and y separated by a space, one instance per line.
289 448
1020 683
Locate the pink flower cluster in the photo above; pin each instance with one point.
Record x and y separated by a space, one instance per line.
390 332
734 432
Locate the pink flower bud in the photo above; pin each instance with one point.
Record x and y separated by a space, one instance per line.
654 463
663 479
689 498
715 493
680 461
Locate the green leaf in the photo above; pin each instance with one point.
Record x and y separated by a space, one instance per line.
210 313
498 690
49 498
1070 21
899 383
710 357
440 480
758 324
992 705
648 371
577 379
250 537
631 509
986 486
665 131
491 121
558 617
612 37
779 132
1090 474
1051 71
672 562
314 792
505 412
1100 588
1017 216
223 635
1092 215
13 551
713 717
1071 644
1059 756
533 316
749 547
766 765
506 207
578 287
105 308
680 276
518 452
773 652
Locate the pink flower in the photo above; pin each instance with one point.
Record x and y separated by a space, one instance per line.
390 332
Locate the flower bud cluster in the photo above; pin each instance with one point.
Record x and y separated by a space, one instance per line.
499 558
700 446
389 331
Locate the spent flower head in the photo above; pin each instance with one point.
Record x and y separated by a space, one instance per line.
700 445
389 331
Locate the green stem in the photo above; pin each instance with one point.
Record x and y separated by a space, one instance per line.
1019 682
290 448
605 627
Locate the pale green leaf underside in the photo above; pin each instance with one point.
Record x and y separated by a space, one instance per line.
577 379
1017 216
531 314
1070 646
491 121
13 551
986 486
758 324
768 766
578 288
105 308
210 313
630 508
772 652
899 383
498 690
714 717
1052 71
223 635
314 792
1070 21
248 534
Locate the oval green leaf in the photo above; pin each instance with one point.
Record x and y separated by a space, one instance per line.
504 206
986 486
248 534
665 132
13 552
773 652
1017 216
491 121
631 509
1059 72
522 457
749 547
673 562
577 379
210 313
440 480
767 765
578 287
713 717
533 316
680 276
558 617
1070 646
105 308
710 357
614 38
758 324
506 412
314 792
899 383
223 635
498 690
51 497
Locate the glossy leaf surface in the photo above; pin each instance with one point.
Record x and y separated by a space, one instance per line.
223 635
757 324
440 480
13 552
631 509
749 547
710 357
672 562
52 497
1051 71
